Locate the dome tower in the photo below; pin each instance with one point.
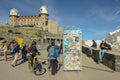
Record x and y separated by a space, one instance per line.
43 13
13 12
44 10
13 16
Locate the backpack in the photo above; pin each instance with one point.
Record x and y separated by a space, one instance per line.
13 49
56 51
26 47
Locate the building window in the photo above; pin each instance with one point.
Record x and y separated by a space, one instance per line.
46 23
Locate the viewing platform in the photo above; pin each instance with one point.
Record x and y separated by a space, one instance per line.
90 70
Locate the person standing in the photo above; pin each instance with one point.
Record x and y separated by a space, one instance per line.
24 51
103 49
5 49
16 49
53 53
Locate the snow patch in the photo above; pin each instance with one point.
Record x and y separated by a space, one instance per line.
111 33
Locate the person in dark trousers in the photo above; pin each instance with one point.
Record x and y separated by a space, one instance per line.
24 51
103 49
52 58
94 45
33 51
53 54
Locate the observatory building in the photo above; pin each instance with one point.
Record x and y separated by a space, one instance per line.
39 21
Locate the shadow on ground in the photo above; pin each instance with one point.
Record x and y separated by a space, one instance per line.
97 69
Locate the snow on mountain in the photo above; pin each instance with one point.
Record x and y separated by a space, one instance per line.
114 32
114 39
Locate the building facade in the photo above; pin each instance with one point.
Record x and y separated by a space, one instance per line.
40 20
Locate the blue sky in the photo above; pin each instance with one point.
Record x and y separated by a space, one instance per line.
95 17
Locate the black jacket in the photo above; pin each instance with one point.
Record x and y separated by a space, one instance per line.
94 45
33 50
105 44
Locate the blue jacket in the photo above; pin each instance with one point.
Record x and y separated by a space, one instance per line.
51 52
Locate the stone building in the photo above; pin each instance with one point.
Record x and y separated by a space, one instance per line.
40 20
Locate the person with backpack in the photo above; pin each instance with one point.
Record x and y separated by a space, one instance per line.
24 51
15 51
53 53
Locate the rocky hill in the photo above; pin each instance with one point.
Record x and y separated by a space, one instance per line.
27 33
114 39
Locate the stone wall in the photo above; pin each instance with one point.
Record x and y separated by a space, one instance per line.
53 26
111 59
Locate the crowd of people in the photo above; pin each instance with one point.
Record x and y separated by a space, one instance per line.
15 50
53 52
